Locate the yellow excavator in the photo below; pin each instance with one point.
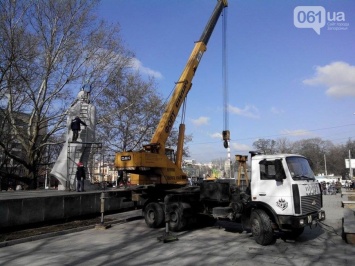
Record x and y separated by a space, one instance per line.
156 164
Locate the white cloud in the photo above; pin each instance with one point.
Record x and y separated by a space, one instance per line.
338 77
136 64
239 147
297 132
202 120
276 110
216 135
248 111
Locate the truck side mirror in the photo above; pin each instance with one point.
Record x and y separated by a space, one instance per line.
280 173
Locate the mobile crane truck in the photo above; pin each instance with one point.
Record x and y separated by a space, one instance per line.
282 196
157 167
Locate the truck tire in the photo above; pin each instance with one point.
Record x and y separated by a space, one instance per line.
261 228
177 220
154 215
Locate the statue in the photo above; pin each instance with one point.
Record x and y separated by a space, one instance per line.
74 152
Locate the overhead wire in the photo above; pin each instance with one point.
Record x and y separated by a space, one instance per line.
291 134
286 134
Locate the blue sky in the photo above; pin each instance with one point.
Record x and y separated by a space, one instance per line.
284 81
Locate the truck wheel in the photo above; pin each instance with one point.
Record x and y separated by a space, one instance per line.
261 228
154 215
177 220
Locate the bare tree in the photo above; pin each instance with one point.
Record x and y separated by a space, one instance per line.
335 160
48 48
314 149
349 146
266 146
129 109
283 145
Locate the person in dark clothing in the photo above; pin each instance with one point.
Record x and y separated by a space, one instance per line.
80 177
338 186
122 178
75 127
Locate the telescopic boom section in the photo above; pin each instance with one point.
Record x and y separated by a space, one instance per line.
184 84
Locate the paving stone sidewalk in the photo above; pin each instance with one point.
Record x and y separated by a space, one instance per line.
134 243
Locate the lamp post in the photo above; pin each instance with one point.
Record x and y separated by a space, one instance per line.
46 185
350 167
101 171
46 180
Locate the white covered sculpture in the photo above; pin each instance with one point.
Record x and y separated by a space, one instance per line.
72 153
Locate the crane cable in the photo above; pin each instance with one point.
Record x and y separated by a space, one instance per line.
225 133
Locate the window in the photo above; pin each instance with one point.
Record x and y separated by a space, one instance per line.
299 168
267 170
170 154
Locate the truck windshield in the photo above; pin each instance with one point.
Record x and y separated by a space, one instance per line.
299 168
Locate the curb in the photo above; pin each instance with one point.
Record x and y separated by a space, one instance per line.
64 232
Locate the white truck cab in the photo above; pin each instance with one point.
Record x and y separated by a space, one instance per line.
284 187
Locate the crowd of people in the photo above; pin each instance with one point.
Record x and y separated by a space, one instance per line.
332 188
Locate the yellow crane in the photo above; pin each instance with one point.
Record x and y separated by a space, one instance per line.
156 164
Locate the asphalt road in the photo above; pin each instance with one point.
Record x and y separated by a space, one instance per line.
132 243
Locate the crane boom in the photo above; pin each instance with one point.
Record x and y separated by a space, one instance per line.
184 84
155 163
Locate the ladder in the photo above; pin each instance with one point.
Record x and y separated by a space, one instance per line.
82 151
242 169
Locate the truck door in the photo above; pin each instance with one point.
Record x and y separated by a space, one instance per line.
270 186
